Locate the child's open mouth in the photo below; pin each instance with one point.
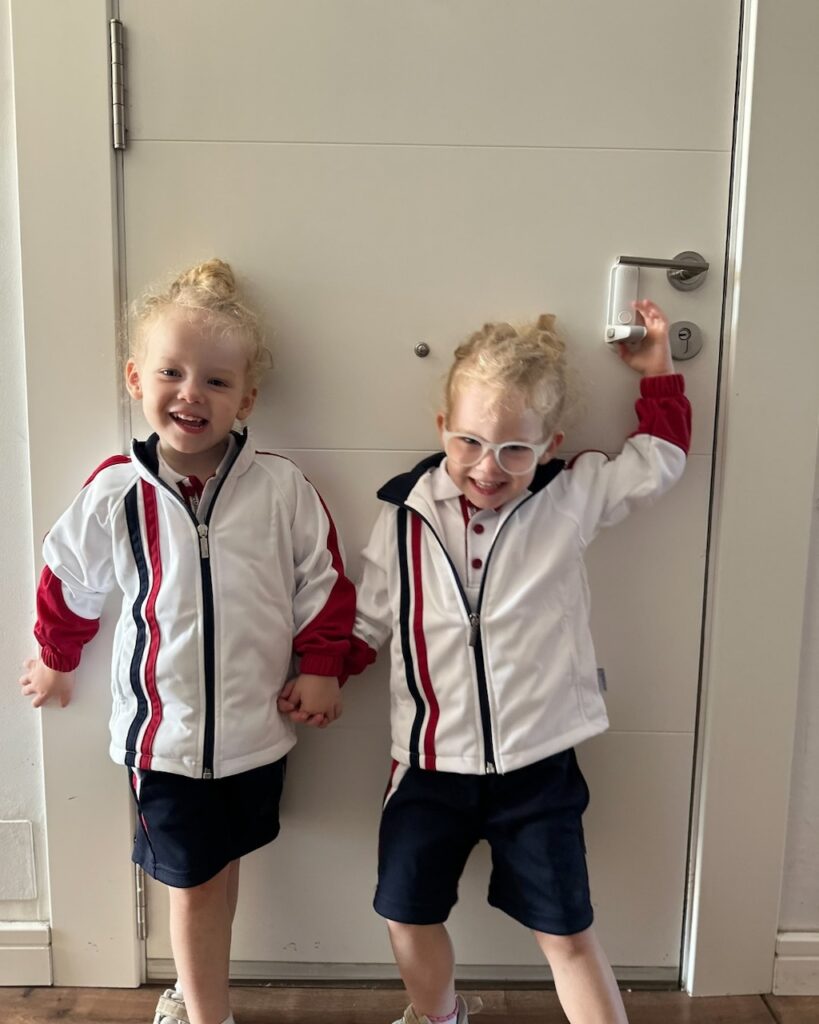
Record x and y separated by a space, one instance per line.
486 487
190 424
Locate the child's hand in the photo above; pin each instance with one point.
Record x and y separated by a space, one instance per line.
652 356
314 700
44 683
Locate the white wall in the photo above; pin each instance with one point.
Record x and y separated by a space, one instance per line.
800 889
21 773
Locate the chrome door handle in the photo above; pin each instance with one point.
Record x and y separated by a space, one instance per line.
685 272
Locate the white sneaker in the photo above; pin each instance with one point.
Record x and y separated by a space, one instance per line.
171 1009
475 1006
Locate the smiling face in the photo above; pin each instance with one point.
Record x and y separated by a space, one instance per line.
482 411
193 384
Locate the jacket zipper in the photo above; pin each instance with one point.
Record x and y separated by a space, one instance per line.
210 655
475 637
208 626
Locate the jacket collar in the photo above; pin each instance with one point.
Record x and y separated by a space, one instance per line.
146 460
398 490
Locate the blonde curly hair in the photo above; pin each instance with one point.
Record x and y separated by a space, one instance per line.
528 360
207 291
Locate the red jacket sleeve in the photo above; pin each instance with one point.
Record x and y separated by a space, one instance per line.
61 633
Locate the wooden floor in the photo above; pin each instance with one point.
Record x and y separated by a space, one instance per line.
377 1006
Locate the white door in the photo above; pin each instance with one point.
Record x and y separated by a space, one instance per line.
383 174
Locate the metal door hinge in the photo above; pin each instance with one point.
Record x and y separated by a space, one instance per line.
117 52
141 904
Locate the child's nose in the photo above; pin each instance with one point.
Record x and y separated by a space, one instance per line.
190 391
489 461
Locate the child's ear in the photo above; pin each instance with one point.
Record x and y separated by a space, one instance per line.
246 406
551 451
132 381
440 422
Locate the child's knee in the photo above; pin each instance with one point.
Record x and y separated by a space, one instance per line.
398 928
205 893
566 947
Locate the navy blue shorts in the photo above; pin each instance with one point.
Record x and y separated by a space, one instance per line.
531 819
188 830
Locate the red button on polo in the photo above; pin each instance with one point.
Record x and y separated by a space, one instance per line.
477 563
478 528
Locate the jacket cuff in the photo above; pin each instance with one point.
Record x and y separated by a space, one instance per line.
361 655
321 665
664 386
58 662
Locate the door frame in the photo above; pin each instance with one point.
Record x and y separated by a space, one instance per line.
68 186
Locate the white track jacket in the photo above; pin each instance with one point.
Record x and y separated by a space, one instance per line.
514 680
213 608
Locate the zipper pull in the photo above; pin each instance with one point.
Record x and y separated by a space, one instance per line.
204 550
475 628
207 774
490 768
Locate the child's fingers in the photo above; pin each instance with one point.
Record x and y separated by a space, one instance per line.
65 698
39 700
624 351
650 311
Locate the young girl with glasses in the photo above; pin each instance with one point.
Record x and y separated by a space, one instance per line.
475 568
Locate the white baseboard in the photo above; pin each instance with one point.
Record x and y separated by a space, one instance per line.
250 971
25 953
796 968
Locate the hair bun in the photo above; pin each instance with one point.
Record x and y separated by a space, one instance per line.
546 322
213 277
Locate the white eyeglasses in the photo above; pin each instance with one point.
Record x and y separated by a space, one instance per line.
513 457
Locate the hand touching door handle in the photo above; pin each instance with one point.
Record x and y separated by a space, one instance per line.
622 320
626 334
685 272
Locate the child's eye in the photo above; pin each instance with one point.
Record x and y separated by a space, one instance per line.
517 449
218 383
169 373
469 441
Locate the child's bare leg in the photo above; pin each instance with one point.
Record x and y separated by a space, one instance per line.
583 978
200 938
233 899
426 960
233 888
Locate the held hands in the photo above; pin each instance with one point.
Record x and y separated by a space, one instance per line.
44 684
313 700
652 356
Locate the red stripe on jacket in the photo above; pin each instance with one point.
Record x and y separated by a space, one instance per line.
114 460
152 536
421 647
